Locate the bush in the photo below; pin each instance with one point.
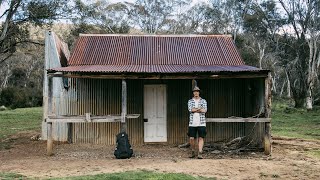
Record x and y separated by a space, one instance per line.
14 97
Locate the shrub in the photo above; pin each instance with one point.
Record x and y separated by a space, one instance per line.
14 97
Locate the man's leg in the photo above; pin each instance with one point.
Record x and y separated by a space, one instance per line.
192 144
201 142
193 147
191 134
202 133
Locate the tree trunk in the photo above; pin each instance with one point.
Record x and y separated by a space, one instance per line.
6 77
309 103
261 53
288 86
312 69
282 88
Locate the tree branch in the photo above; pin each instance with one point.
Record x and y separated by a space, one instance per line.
290 17
12 10
4 59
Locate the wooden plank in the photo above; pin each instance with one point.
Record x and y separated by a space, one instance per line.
124 106
267 134
88 118
129 116
268 96
82 120
49 139
159 76
77 119
267 139
238 119
194 84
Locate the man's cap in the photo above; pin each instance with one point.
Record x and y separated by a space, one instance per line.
196 88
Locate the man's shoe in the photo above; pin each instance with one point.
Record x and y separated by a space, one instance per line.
200 155
193 154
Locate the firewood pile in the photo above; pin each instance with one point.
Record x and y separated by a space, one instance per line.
236 145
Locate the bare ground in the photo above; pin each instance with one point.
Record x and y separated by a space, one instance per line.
289 160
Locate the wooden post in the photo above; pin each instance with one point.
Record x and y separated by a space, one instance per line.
194 84
267 134
124 106
49 124
49 139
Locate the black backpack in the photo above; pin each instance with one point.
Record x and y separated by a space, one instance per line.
123 149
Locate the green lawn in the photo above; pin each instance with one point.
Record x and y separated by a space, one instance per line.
11 176
297 123
139 175
18 120
119 176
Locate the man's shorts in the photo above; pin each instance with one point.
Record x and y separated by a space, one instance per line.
199 130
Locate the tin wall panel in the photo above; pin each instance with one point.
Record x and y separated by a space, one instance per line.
225 97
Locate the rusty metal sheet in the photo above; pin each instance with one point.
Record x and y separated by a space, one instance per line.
155 53
225 97
156 68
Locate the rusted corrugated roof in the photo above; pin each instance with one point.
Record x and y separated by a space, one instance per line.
157 68
155 53
155 50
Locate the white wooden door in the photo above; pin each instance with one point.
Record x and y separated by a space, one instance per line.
155 111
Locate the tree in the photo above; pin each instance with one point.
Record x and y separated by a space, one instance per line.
151 16
98 17
302 18
19 15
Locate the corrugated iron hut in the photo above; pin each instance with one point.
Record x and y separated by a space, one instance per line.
141 83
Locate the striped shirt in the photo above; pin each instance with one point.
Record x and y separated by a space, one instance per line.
202 105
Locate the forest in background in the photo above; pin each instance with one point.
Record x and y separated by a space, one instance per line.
280 35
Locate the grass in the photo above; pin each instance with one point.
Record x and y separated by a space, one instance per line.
298 123
120 176
18 120
140 175
11 176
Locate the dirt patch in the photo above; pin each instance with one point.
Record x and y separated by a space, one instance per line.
289 160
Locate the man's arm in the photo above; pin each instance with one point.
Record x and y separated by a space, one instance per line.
196 110
192 110
190 106
204 107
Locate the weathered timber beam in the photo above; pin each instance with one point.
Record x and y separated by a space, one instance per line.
129 116
267 133
49 139
151 76
81 120
124 107
49 124
238 119
76 119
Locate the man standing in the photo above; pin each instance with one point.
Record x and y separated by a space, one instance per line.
197 122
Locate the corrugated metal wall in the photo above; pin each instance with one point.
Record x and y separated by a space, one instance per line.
225 97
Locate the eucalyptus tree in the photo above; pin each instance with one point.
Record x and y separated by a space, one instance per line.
302 31
19 15
151 16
